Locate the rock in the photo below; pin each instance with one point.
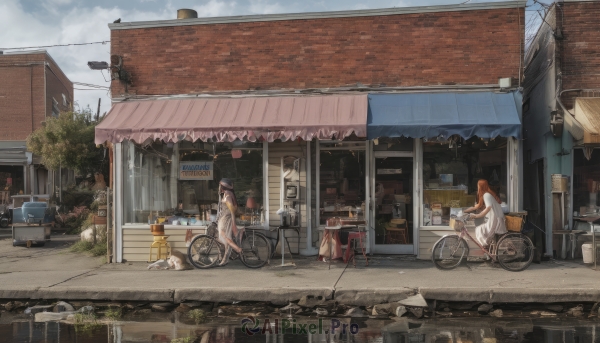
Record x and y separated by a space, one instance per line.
220 312
555 308
414 301
106 306
356 312
484 308
9 306
595 309
163 307
444 314
311 301
380 310
51 316
497 313
547 314
321 312
143 311
193 304
446 309
38 308
19 304
290 306
417 311
384 309
62 306
88 235
86 309
400 311
576 311
183 308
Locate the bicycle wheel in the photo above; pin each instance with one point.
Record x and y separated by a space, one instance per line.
204 252
514 252
256 249
449 252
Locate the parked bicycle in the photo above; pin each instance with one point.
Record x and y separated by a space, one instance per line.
206 251
512 250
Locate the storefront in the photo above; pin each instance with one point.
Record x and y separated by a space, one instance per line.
429 151
170 155
400 163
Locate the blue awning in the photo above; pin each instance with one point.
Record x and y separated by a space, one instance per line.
428 115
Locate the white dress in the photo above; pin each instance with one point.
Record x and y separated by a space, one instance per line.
493 221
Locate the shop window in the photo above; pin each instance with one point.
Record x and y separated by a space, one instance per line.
342 181
180 181
586 183
451 170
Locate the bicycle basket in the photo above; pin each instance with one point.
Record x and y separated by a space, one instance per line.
514 223
212 231
456 224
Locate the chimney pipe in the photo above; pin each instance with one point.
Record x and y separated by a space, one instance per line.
185 13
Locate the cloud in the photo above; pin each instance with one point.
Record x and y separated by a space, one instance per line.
265 7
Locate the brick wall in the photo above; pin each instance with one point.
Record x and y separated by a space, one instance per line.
57 84
445 48
21 95
23 101
580 48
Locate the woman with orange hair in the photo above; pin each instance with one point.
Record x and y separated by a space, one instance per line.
488 206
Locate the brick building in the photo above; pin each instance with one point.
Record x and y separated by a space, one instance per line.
377 114
33 88
561 122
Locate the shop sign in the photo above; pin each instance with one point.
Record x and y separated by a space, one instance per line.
196 171
389 171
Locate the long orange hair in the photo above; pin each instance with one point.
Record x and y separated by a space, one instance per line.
482 188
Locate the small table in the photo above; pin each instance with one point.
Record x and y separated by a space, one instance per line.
591 220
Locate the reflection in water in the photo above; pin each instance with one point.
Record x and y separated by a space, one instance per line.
459 330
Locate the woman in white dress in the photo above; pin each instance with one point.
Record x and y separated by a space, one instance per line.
488 206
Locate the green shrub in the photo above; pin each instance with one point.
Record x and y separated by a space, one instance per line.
86 323
188 339
114 314
197 315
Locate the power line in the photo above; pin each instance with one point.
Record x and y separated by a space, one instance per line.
90 85
55 45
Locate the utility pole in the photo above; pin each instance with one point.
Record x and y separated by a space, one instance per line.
98 111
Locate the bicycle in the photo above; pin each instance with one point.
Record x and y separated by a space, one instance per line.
512 250
205 251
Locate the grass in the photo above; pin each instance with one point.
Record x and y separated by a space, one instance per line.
197 315
113 314
188 339
86 323
88 247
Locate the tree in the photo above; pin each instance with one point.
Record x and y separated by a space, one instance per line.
67 141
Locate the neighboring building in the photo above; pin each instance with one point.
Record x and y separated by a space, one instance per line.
33 88
370 114
561 119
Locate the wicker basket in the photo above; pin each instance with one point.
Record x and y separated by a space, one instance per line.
456 224
514 223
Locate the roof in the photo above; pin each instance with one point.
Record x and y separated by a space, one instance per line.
318 15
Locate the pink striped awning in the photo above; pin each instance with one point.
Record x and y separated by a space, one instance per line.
228 119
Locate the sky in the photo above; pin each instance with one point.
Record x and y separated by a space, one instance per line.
27 23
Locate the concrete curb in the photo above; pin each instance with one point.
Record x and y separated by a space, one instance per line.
372 296
278 296
116 294
20 293
512 295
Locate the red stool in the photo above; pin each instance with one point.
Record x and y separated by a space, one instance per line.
350 251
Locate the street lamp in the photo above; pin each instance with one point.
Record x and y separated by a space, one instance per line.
96 65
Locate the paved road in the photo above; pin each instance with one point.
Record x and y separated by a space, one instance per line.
54 272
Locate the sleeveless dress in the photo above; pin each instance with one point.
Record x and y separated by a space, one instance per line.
493 222
225 225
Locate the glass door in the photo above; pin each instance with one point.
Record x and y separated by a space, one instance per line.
393 206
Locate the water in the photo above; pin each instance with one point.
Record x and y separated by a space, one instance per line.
166 329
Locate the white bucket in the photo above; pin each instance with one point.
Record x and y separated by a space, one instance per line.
586 251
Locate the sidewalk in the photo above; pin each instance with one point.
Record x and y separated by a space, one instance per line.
52 272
